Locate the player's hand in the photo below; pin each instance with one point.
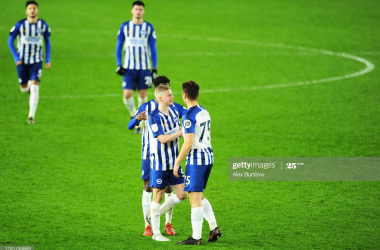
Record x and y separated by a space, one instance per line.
48 65
175 170
18 63
141 116
120 70
154 74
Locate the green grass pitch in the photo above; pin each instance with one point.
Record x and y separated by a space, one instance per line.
277 79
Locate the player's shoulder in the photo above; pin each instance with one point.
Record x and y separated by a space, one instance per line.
148 23
42 20
125 23
154 113
19 23
177 106
194 111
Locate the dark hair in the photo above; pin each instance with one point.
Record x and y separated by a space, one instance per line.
139 3
191 89
160 80
31 2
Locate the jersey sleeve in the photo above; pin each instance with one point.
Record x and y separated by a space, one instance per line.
153 48
12 36
132 123
155 125
47 43
188 124
119 44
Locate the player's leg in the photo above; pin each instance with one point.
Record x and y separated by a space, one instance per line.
208 213
142 97
169 214
158 182
23 77
35 77
196 180
180 194
129 86
147 195
196 219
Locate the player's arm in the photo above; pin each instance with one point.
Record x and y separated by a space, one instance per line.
153 51
119 48
167 138
47 47
139 116
12 36
188 143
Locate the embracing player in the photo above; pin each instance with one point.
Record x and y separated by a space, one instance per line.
139 39
200 158
28 57
164 147
141 116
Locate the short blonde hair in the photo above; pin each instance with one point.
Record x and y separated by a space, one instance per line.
158 91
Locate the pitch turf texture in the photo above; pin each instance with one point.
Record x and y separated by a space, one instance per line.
277 81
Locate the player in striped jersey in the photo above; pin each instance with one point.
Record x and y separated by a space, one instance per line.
164 147
28 56
139 39
141 115
198 151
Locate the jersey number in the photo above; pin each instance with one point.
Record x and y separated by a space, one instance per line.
204 128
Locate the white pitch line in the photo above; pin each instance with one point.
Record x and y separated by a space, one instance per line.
369 66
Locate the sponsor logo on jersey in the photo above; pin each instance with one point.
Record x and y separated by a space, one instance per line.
187 124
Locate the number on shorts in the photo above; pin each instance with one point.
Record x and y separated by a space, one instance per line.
148 80
187 180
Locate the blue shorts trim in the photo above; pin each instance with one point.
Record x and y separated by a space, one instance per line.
196 177
28 72
140 79
161 179
145 169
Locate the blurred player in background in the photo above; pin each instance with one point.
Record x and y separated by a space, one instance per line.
139 39
200 158
164 147
29 56
142 115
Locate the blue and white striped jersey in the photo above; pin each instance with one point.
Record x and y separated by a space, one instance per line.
139 43
197 120
145 138
29 41
162 156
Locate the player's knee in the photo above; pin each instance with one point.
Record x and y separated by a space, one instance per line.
34 82
24 90
182 195
168 189
127 96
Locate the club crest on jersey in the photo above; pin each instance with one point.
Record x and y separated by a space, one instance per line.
187 124
143 32
154 127
175 120
38 30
